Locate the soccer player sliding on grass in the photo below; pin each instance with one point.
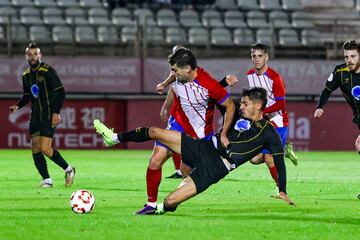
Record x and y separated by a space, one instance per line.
212 160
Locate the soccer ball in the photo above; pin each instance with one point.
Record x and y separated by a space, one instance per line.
82 201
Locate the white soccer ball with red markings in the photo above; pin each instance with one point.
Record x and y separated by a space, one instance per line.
82 201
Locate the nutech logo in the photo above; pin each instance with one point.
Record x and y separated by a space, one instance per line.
20 118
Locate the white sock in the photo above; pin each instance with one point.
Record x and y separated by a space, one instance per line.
47 181
178 172
115 138
152 204
68 169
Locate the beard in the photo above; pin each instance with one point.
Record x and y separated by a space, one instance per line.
34 65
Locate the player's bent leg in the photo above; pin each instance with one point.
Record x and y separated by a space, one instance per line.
185 191
40 162
45 146
158 157
35 144
185 169
258 159
55 156
153 179
269 160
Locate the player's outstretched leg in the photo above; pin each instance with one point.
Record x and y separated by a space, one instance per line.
290 153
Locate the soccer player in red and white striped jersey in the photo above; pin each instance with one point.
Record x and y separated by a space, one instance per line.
196 94
261 75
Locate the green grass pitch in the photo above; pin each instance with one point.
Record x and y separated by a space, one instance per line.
324 187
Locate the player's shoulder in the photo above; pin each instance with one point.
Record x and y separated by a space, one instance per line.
26 72
267 126
272 74
204 78
341 68
45 68
250 71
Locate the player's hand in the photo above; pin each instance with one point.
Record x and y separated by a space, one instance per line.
318 112
55 119
14 108
285 197
224 140
231 80
164 114
160 88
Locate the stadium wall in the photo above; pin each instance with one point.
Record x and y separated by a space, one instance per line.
116 75
334 131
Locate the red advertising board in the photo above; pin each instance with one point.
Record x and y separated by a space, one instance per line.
75 130
333 131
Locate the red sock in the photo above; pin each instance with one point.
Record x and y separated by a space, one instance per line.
274 175
153 179
177 160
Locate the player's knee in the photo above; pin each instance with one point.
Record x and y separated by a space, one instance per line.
46 150
154 132
256 161
170 203
155 163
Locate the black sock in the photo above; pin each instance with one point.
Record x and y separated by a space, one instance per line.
140 134
40 164
59 160
169 209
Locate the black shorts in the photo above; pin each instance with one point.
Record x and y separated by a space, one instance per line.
41 128
208 168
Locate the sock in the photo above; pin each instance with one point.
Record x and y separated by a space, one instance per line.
274 174
138 135
177 161
68 169
40 164
59 160
115 138
153 179
151 204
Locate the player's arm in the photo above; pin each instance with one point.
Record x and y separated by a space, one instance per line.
58 95
229 106
332 83
279 95
229 80
23 100
273 143
165 109
161 86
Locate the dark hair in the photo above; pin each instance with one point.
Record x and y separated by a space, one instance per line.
260 46
256 94
351 45
182 58
31 45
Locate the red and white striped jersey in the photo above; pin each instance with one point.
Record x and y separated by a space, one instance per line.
195 103
275 87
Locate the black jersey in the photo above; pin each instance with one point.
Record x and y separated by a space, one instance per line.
246 144
345 80
45 91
